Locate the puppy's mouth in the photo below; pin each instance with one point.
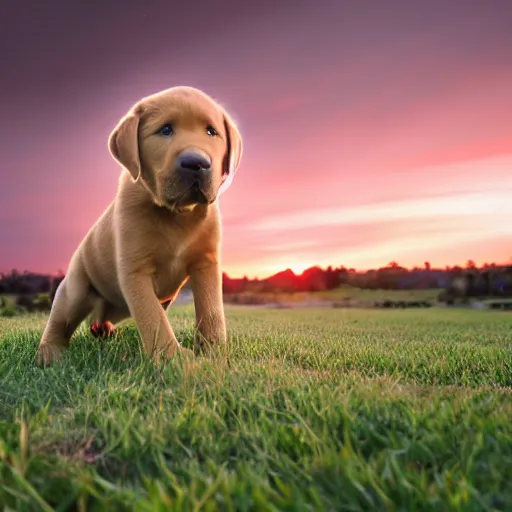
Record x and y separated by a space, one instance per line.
189 199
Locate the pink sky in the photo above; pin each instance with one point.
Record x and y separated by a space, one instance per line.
370 135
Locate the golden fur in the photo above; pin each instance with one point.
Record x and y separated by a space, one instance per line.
150 241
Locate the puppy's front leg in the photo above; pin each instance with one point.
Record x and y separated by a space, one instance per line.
206 281
157 335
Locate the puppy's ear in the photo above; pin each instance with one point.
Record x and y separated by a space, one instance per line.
233 153
123 143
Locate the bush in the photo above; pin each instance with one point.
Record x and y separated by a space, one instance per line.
42 302
10 310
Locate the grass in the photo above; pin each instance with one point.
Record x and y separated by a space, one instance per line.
338 294
10 298
324 409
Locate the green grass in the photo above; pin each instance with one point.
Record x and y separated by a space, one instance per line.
325 409
9 298
338 294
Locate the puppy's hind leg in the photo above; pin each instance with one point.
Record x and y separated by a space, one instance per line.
72 303
105 317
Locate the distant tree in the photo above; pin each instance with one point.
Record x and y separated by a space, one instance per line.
226 283
342 275
470 264
427 265
314 279
332 278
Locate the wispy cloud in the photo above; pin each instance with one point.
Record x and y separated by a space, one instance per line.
497 203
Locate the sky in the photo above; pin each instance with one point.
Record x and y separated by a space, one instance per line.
373 131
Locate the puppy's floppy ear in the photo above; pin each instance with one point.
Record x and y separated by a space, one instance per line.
233 153
123 142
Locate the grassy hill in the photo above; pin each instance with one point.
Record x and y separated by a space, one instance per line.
317 409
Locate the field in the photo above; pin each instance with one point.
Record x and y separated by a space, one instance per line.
357 295
320 409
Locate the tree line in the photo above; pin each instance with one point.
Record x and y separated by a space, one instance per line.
489 279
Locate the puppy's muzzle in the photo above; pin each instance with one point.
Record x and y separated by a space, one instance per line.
194 168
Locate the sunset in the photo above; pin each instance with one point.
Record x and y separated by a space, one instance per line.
370 135
256 255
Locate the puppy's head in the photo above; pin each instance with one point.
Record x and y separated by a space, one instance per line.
182 146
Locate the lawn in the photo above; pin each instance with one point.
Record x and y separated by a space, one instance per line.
321 409
362 294
343 292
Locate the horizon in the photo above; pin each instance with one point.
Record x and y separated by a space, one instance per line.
370 135
441 268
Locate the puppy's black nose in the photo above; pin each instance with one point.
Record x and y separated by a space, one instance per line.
194 161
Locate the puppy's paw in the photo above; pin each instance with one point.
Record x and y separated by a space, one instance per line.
185 354
186 359
176 351
209 346
102 330
49 353
218 351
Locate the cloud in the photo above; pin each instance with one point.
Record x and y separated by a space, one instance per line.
497 203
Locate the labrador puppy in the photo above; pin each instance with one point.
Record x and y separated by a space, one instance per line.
179 151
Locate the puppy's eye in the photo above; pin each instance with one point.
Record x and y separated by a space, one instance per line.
166 130
210 130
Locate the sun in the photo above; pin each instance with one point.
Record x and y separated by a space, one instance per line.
296 267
